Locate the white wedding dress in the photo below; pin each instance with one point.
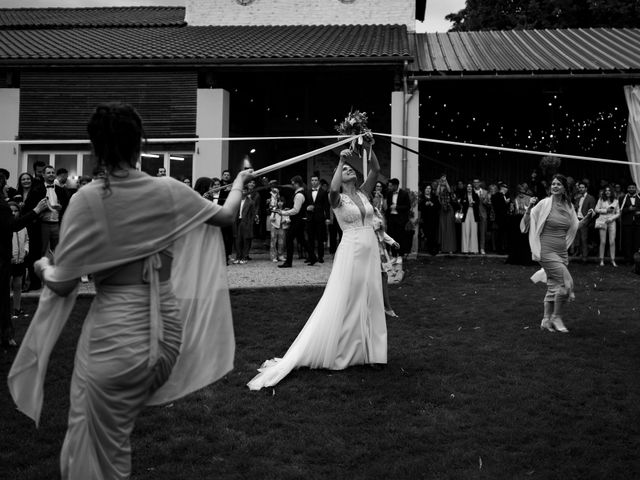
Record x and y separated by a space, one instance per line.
348 325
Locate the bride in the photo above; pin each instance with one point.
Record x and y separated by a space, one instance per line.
348 325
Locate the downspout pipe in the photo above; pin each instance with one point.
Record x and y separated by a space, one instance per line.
405 123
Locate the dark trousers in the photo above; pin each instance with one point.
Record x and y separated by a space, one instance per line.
582 237
335 235
227 239
316 234
396 230
242 242
6 325
50 236
295 232
34 255
630 241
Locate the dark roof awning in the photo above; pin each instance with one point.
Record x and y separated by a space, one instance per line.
215 45
38 18
508 53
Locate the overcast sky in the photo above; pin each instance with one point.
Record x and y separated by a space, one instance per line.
435 22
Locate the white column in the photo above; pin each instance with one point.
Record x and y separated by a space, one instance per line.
408 177
212 120
397 128
9 124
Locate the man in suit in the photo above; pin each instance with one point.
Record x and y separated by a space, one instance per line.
482 213
500 204
318 217
584 202
398 206
296 213
243 227
630 222
227 232
38 174
50 219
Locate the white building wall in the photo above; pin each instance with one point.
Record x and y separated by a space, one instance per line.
212 121
301 12
9 124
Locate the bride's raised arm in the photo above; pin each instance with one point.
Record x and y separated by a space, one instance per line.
336 181
374 167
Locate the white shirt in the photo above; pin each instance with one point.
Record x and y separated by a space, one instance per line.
394 202
298 200
579 212
240 211
51 215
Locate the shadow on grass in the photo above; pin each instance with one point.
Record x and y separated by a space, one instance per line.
473 389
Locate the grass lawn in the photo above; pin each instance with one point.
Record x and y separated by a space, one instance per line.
473 389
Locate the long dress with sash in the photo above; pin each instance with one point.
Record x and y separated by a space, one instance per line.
140 345
348 325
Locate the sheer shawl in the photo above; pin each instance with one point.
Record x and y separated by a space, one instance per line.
538 217
136 217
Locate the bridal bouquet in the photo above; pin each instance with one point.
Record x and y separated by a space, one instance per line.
354 124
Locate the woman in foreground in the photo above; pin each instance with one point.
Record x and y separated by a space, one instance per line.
348 326
155 332
552 226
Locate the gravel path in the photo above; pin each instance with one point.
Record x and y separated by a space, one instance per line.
260 272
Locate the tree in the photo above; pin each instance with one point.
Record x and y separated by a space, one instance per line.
541 14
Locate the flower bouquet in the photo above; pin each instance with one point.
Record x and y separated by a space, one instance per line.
354 124
550 165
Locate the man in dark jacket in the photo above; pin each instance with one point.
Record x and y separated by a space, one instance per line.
8 225
318 217
630 220
500 204
296 213
399 204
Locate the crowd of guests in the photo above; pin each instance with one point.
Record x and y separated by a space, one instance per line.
46 191
453 217
295 219
476 218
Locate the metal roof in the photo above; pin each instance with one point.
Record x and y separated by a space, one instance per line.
509 52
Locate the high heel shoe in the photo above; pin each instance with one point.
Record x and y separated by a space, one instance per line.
546 324
558 325
602 262
613 263
391 313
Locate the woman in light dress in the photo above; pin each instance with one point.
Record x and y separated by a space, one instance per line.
552 225
348 326
470 204
160 324
608 211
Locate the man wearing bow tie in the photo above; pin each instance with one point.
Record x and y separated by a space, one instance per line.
57 201
318 217
630 222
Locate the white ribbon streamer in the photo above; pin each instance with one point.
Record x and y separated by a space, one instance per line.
299 158
320 137
506 149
